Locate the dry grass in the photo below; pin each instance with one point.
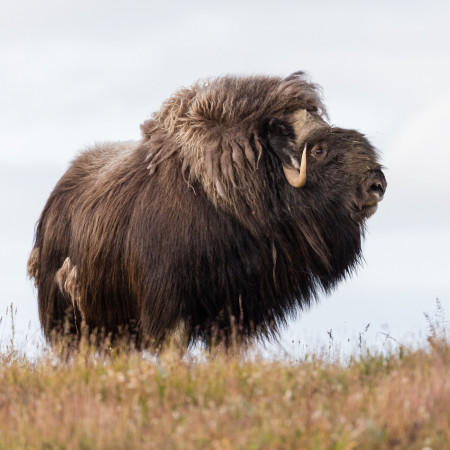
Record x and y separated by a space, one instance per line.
130 400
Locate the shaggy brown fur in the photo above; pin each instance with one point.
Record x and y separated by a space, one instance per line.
195 228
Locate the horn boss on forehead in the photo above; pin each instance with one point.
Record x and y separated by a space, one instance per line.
235 209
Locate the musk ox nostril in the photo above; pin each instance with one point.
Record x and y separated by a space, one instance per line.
377 184
377 187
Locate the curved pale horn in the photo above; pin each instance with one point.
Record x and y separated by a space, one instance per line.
297 177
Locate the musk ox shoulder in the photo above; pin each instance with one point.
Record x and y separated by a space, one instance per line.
239 204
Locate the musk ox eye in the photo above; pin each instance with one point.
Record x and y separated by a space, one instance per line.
319 151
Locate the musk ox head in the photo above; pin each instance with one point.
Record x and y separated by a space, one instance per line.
228 129
238 206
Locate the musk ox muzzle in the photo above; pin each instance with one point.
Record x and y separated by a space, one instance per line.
239 205
373 192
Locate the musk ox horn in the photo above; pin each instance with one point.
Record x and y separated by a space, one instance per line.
303 124
297 177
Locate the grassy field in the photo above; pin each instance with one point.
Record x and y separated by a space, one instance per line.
129 400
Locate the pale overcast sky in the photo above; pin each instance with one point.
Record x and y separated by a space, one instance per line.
77 72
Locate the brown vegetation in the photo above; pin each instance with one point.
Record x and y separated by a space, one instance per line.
132 401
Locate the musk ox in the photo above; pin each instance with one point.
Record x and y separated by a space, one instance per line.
237 207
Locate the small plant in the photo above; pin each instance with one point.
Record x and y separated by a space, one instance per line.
10 315
13 312
437 326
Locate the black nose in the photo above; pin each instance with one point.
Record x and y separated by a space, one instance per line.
377 187
377 183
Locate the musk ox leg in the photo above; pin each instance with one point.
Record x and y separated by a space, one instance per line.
57 295
54 317
67 280
177 340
